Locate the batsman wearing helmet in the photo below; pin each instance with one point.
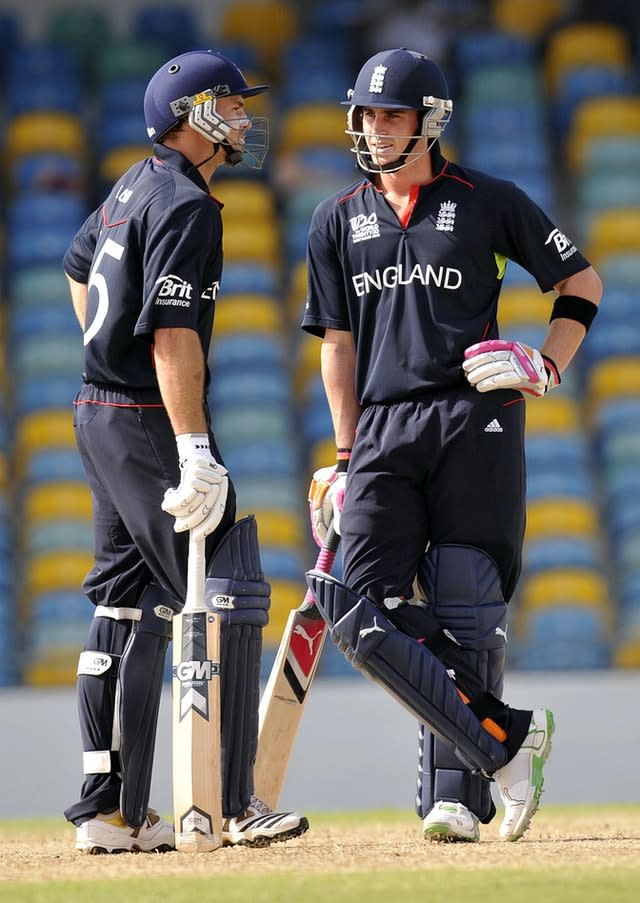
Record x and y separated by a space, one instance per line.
144 271
405 267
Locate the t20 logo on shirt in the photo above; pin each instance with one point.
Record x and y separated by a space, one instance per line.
364 227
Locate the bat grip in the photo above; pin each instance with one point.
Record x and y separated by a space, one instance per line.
324 561
196 574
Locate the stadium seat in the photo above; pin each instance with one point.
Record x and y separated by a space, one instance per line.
43 429
172 26
559 413
267 27
546 553
250 422
562 638
38 284
258 313
54 500
579 44
521 17
117 161
244 242
83 29
611 114
35 132
127 59
313 125
613 231
563 516
50 571
50 536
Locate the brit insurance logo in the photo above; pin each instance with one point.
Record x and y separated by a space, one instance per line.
446 216
364 227
174 291
564 246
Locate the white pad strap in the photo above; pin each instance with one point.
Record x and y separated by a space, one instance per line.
118 614
97 761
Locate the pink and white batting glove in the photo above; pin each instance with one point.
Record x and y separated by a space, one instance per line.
498 364
198 503
326 498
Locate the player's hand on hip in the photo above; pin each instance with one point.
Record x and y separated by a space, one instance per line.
198 503
326 497
499 364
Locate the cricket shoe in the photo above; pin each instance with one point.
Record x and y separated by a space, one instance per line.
110 834
258 826
451 823
520 780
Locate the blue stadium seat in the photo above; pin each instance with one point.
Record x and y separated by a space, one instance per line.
564 638
63 210
56 391
247 349
174 26
255 386
559 551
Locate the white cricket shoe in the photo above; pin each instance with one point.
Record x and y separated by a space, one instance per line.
110 834
451 822
520 780
259 826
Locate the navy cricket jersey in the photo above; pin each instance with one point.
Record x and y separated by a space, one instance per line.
152 258
416 294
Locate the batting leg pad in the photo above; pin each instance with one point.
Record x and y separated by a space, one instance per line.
97 680
236 588
140 686
463 587
406 669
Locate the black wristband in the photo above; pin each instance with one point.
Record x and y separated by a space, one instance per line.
343 457
573 307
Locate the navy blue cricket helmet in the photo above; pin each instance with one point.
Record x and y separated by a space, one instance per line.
170 92
399 79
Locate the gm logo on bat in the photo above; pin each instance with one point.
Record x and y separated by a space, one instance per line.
196 672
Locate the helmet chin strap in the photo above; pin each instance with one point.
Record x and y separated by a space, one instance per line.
233 156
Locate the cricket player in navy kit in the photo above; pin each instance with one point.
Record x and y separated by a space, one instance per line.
405 268
144 271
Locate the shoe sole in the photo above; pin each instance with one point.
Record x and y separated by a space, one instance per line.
265 841
524 822
443 834
97 850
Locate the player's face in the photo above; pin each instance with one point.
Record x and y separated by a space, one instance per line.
387 132
232 110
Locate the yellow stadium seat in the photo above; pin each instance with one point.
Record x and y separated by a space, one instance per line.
118 160
322 454
39 429
265 25
612 377
529 18
285 596
627 652
33 132
579 44
559 413
57 669
523 304
564 587
616 230
252 242
53 571
57 499
560 516
258 313
278 528
247 199
600 116
313 125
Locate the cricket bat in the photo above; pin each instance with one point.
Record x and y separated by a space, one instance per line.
197 774
285 694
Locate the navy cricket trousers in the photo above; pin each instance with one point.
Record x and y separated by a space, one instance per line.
128 451
445 469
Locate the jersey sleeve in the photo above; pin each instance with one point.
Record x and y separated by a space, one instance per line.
79 256
526 235
180 243
326 303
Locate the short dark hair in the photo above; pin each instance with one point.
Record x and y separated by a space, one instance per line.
178 127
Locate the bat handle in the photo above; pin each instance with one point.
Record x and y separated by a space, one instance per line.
196 573
324 562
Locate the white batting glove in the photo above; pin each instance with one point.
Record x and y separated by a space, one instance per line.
326 497
199 501
498 364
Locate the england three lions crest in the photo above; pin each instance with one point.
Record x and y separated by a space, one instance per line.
446 216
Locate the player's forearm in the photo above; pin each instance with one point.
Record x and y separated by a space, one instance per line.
338 363
180 367
565 336
79 293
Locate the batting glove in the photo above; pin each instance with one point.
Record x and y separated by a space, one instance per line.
199 501
326 497
498 364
